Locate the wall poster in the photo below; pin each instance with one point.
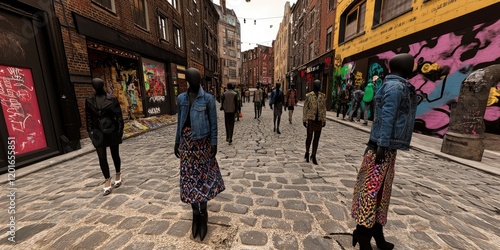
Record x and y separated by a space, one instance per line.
155 86
20 109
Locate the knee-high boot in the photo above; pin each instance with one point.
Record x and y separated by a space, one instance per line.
195 226
203 220
363 235
378 235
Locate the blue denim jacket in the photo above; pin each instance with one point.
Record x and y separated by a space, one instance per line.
203 116
395 109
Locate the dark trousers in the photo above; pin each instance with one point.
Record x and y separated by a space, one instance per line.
257 109
342 108
313 128
229 122
103 160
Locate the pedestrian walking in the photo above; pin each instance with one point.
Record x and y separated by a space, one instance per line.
229 103
291 101
258 97
343 100
314 119
396 105
357 97
239 104
367 101
105 127
196 146
277 99
247 95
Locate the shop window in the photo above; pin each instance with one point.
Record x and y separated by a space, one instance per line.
328 39
107 4
163 27
352 22
140 13
178 37
386 10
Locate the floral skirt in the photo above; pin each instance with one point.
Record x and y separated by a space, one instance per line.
372 192
200 177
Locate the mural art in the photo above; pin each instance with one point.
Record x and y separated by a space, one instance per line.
442 63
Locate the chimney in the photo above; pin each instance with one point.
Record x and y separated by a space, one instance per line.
223 6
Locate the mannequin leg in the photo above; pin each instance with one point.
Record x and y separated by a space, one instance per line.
317 134
278 125
274 122
103 161
203 220
115 154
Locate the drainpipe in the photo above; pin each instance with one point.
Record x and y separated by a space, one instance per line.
466 130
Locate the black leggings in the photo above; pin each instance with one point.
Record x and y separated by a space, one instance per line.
103 160
309 138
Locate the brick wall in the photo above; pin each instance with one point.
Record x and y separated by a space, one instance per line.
122 20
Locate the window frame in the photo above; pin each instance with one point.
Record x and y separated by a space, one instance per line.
178 39
358 8
174 4
331 5
378 14
329 38
144 12
163 33
111 8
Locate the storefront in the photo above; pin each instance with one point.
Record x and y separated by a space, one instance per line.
38 118
145 78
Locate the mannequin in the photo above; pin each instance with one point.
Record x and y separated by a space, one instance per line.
196 146
258 100
277 99
105 128
314 119
396 105
229 103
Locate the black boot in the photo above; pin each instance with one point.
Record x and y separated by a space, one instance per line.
195 226
203 220
313 159
306 156
378 235
363 235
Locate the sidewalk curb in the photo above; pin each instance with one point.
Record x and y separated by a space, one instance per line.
493 170
33 168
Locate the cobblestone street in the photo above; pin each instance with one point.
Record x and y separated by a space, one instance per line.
273 198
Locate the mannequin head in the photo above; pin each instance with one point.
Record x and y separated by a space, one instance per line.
316 85
292 86
402 65
98 85
278 85
193 77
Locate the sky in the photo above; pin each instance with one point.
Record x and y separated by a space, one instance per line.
261 32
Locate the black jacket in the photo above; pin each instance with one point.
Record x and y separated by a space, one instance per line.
105 125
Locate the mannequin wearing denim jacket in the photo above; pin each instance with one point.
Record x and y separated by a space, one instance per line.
395 109
196 146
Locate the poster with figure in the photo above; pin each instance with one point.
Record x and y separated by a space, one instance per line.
20 109
155 86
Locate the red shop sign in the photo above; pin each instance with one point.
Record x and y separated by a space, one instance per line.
20 109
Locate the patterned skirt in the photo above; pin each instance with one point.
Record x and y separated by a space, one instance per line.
200 177
372 192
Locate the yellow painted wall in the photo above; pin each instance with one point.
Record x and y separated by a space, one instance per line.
423 16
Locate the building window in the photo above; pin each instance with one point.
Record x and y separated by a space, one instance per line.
162 27
352 22
312 19
328 39
331 5
107 4
178 37
140 15
232 63
386 10
231 53
174 3
232 73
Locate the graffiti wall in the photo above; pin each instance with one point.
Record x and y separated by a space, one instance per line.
155 86
442 63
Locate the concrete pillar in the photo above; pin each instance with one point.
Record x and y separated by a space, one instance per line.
466 130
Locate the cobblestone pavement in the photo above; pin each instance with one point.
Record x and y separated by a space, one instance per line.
273 200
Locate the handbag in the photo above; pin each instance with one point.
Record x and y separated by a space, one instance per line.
240 115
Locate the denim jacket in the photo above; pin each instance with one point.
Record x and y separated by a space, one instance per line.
203 116
395 110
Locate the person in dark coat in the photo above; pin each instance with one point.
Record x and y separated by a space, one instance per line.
105 127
